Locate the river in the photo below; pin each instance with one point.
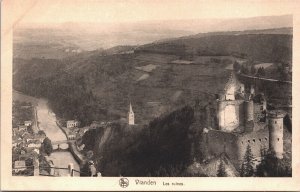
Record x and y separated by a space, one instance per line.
47 123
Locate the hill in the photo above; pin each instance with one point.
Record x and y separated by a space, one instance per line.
53 41
156 78
259 47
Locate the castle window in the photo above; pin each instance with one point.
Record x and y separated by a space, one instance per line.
277 139
253 140
266 139
242 142
248 141
275 122
260 140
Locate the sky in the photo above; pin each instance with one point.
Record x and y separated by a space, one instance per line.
118 11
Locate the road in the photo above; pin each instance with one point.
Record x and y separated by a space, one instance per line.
47 123
265 79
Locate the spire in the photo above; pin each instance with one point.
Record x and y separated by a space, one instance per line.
130 107
130 115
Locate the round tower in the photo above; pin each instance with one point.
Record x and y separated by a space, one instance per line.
249 115
275 124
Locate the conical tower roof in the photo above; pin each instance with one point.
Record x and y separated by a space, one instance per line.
130 108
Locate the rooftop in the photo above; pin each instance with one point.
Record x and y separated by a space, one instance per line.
20 164
276 114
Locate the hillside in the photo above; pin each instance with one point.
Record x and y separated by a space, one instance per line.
152 77
259 47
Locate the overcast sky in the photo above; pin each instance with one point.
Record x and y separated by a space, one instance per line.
59 11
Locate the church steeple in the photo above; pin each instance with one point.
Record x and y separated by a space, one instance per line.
130 108
130 115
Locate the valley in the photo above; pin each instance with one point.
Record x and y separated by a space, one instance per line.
164 81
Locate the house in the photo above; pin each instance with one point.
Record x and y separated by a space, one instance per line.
71 137
22 128
15 144
81 147
72 123
30 140
27 123
16 138
34 145
15 131
19 166
37 151
23 151
25 135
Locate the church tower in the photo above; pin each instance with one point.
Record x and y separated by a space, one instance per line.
130 116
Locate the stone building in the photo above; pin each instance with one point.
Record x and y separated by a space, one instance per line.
72 123
236 119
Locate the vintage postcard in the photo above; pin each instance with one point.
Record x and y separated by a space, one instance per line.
150 95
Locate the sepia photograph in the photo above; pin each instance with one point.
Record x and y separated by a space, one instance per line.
149 90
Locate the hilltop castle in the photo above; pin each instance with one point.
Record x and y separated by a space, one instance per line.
238 118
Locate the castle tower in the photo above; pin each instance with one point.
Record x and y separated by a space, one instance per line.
249 115
275 124
130 116
230 88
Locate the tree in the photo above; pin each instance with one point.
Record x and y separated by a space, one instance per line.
247 169
287 122
47 146
221 170
236 66
261 71
244 69
253 70
271 166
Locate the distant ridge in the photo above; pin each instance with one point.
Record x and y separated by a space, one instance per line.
282 31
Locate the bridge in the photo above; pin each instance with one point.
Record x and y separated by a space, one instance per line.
62 141
61 145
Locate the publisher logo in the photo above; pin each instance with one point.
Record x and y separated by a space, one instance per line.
124 182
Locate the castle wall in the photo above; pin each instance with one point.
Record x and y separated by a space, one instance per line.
249 116
216 142
209 117
258 141
230 115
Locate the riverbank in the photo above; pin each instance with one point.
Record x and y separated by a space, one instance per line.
61 128
78 156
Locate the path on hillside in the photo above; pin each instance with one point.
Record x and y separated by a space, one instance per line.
265 79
